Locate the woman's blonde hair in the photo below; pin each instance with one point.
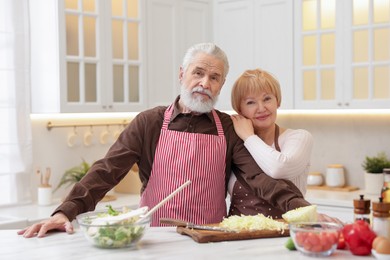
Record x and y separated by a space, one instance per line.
254 82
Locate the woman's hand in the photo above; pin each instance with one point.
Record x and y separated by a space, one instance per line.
242 126
57 222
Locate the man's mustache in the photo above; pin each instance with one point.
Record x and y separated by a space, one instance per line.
202 91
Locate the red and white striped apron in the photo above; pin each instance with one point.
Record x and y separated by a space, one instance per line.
182 156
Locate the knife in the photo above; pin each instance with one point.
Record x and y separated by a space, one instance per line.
182 223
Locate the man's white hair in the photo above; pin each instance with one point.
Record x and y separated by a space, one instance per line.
208 48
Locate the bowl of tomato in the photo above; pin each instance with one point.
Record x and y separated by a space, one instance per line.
315 238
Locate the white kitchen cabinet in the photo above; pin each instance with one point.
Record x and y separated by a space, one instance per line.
342 54
256 34
118 55
172 27
88 56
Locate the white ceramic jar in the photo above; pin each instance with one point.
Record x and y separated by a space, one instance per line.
315 179
335 175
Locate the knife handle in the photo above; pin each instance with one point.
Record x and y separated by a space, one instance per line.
173 222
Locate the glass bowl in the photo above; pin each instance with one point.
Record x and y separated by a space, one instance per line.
315 238
125 233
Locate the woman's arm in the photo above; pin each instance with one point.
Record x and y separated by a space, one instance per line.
295 145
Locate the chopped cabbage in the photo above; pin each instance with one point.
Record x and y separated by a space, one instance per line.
252 223
302 214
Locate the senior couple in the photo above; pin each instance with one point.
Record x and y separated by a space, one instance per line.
262 166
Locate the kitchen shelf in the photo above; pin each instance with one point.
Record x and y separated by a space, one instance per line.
51 125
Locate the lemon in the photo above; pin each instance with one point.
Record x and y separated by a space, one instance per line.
302 214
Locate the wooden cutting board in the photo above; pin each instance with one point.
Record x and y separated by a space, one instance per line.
205 236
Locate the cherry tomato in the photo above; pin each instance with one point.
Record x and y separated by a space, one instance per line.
316 241
300 238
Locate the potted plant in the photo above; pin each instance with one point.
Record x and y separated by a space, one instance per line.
373 175
74 174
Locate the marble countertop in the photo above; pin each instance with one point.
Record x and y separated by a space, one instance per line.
22 215
158 243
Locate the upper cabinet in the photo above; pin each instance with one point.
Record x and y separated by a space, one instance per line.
88 55
256 34
342 54
111 55
124 55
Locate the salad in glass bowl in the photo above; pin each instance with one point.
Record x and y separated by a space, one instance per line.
114 228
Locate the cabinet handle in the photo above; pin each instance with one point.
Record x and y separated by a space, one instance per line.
346 104
104 107
110 107
339 104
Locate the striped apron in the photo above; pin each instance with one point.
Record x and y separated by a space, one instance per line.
182 156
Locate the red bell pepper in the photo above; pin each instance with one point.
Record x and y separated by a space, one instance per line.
358 237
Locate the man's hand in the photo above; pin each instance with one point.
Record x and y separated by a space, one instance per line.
57 222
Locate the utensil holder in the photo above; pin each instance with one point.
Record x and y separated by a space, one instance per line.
44 196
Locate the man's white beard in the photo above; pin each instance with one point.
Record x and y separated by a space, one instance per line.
196 103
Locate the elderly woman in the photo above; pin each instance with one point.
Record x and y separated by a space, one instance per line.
282 153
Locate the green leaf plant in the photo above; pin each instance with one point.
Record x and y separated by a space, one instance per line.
73 175
376 164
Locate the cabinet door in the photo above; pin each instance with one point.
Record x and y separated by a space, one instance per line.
126 60
234 29
103 58
368 47
318 42
81 58
273 50
342 54
88 56
172 27
162 23
256 34
195 25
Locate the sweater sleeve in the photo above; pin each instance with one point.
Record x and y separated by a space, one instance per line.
294 158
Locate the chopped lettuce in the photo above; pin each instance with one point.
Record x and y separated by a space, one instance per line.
121 234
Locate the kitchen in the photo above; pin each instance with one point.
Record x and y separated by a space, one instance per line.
342 135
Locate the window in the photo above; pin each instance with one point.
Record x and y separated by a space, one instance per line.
15 133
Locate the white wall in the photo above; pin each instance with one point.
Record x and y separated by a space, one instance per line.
339 138
50 148
343 139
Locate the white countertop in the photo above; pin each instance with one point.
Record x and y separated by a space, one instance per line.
23 215
337 198
158 243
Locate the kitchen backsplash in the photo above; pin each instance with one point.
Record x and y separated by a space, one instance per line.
338 139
